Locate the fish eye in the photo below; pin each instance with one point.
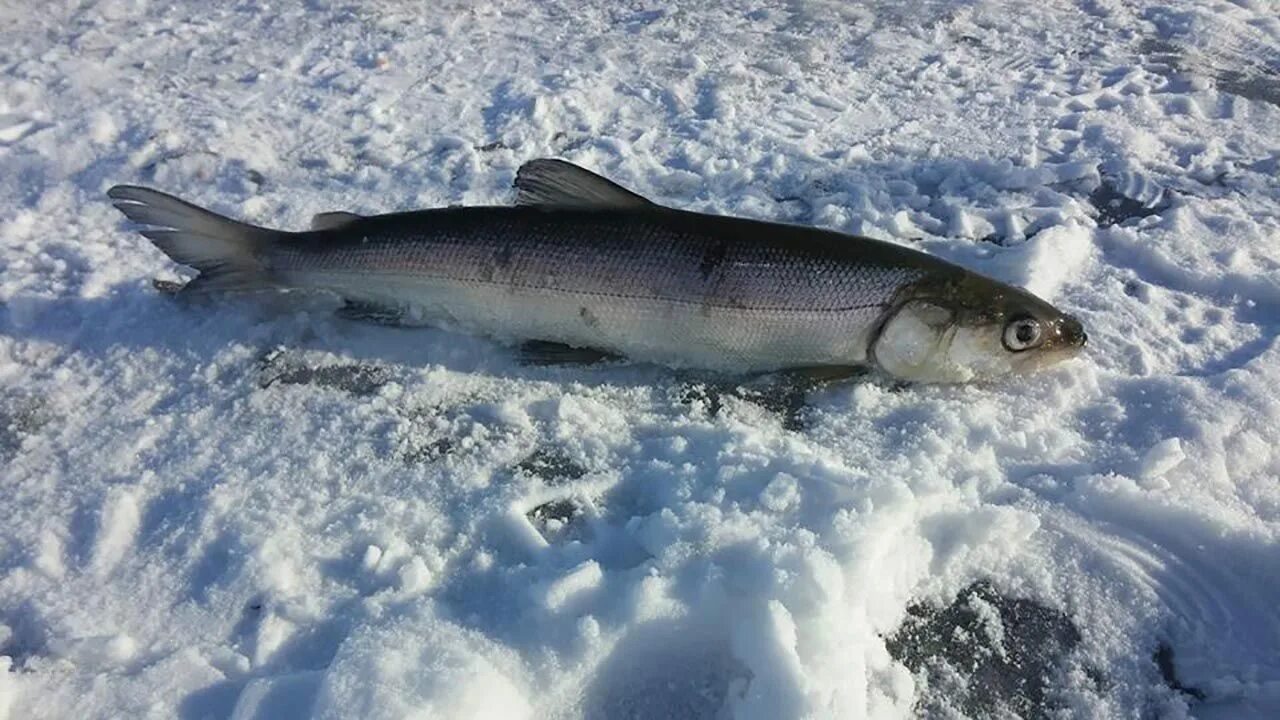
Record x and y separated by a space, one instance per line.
1021 334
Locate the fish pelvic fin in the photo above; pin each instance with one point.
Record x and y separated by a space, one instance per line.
559 183
230 255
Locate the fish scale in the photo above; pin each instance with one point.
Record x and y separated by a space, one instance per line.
631 283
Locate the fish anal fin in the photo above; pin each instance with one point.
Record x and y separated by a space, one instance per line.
545 352
333 220
558 183
820 375
371 313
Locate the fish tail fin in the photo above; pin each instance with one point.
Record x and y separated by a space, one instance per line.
230 255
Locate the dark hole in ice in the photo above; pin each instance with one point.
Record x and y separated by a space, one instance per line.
1114 207
276 367
430 452
560 521
355 379
1250 73
1164 660
19 417
551 466
1252 86
1160 52
710 395
985 654
786 400
556 510
784 394
565 142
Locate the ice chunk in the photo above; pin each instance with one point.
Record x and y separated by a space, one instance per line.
578 581
414 576
47 557
513 530
102 127
1161 458
369 561
117 526
781 494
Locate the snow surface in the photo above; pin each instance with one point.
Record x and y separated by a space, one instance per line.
256 510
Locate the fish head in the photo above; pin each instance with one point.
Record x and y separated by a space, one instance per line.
967 327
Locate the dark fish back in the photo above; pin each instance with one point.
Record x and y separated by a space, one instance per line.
678 256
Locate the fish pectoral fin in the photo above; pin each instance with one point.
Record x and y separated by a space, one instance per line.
820 375
786 392
557 183
545 352
371 312
333 220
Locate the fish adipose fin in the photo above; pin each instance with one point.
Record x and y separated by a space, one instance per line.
333 220
557 183
230 255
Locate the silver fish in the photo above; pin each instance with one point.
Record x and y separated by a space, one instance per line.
582 261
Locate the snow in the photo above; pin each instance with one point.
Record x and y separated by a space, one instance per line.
252 509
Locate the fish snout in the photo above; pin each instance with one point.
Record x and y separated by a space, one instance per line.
1071 331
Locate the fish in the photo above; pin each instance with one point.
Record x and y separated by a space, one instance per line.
580 261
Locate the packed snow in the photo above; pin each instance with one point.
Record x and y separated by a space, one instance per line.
251 509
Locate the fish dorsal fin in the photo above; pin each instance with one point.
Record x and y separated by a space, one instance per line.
333 220
558 183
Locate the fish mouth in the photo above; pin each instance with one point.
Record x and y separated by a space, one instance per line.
1066 337
1048 358
1068 340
